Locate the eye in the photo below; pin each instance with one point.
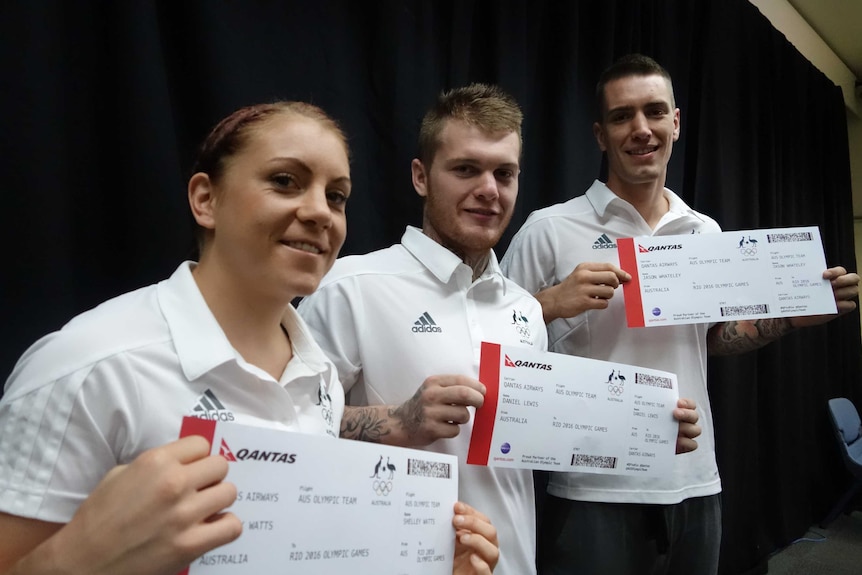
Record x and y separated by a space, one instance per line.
504 175
464 170
284 180
337 197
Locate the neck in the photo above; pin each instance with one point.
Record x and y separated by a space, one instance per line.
252 325
648 198
477 260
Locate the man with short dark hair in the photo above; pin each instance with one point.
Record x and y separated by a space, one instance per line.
566 255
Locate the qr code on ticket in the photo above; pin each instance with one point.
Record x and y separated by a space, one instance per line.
424 468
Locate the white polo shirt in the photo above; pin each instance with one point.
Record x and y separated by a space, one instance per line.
117 380
550 244
394 317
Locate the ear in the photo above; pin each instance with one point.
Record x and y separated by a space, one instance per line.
420 177
202 200
675 124
599 133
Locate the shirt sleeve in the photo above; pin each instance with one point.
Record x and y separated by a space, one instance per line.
331 316
529 261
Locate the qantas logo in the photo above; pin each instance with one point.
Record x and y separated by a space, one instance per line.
644 250
255 455
507 361
225 451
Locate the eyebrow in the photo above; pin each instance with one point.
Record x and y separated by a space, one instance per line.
654 104
474 161
304 167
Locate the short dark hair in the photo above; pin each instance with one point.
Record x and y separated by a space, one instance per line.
623 67
485 106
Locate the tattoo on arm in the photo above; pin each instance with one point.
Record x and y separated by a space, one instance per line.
373 423
364 424
409 414
734 337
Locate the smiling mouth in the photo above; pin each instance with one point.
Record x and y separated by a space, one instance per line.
642 151
481 212
303 246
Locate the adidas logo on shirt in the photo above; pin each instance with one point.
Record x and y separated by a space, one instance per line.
426 324
209 407
604 243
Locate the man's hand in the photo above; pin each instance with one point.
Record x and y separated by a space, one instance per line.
476 548
845 288
589 286
155 515
687 416
436 410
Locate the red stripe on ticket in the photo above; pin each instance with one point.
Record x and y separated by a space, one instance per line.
631 289
483 425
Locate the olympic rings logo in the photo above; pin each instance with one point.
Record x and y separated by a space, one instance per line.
616 389
748 251
382 487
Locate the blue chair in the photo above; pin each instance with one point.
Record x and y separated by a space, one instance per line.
848 433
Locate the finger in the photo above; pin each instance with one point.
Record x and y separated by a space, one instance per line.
459 395
480 566
462 508
484 553
447 381
685 445
685 415
216 531
686 403
207 471
601 291
834 272
211 500
845 290
187 449
468 518
449 413
689 430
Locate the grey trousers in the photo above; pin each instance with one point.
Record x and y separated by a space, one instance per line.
583 538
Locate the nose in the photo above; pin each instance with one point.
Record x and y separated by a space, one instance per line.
314 207
640 126
486 186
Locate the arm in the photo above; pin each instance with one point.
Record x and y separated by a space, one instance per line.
589 286
435 411
476 547
687 416
740 336
153 516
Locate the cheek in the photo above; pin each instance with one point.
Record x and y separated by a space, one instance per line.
338 231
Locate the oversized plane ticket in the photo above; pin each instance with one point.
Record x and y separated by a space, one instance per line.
313 504
558 412
748 274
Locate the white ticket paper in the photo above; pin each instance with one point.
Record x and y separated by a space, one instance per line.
559 412
748 274
314 504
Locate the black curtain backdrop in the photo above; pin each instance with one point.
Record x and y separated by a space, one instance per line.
103 104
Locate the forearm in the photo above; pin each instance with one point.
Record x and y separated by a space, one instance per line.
375 424
547 299
735 337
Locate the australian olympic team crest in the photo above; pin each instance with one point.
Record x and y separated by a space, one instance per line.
616 382
522 326
383 475
747 246
324 401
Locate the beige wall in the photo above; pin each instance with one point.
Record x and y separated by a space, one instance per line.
788 21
